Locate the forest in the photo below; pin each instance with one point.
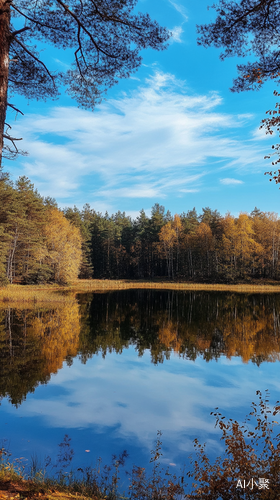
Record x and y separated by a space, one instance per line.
37 243
40 243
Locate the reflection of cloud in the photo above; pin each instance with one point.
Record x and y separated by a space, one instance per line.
143 144
228 181
131 395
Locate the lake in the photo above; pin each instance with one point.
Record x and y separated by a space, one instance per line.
111 369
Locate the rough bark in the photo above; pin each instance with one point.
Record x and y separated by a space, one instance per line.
4 65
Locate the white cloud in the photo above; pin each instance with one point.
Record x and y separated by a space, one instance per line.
228 181
156 141
260 134
189 190
177 33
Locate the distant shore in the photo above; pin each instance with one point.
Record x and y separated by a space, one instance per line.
51 293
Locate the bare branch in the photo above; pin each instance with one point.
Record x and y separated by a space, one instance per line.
7 136
16 109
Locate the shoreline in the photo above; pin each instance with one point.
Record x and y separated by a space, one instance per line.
55 294
28 489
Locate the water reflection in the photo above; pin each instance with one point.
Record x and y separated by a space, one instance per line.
182 354
190 323
33 345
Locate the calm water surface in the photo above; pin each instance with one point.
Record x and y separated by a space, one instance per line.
111 369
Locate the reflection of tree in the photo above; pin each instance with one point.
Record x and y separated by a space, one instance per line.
33 345
189 323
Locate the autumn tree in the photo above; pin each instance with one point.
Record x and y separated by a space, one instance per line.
267 235
189 223
104 36
64 247
204 240
82 220
167 237
239 245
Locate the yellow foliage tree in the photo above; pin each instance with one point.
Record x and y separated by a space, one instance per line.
239 244
64 245
169 237
267 234
204 240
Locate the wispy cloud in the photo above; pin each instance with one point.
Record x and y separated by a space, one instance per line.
180 8
228 181
158 141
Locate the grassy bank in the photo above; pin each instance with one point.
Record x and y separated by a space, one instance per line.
13 485
28 490
53 294
158 284
33 295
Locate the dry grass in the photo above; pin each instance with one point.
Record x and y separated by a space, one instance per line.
14 486
53 294
103 285
33 295
19 488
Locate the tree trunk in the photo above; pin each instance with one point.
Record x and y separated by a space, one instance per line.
11 256
4 65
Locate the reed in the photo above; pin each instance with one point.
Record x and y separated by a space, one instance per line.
32 295
102 285
13 484
55 294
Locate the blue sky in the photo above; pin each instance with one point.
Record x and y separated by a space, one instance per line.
172 134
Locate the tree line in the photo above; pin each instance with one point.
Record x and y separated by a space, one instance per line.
40 243
204 247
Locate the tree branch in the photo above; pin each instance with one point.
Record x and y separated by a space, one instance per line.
33 20
19 31
116 20
250 11
34 57
16 109
66 8
10 138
